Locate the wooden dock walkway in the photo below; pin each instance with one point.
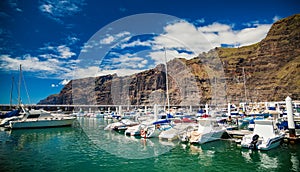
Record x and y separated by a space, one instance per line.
238 133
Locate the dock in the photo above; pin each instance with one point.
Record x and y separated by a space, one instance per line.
238 133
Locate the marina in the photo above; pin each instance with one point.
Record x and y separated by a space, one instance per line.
87 147
132 139
131 99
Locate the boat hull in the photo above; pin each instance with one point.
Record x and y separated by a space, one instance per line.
273 144
207 137
42 123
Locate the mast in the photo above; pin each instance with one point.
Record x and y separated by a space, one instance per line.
244 77
167 82
19 89
11 92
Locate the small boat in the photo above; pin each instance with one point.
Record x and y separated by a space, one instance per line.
40 119
208 130
133 130
121 125
155 128
177 130
264 136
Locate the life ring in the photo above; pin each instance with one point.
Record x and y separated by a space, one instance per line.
143 133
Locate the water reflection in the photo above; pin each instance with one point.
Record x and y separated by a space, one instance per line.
263 159
121 145
22 137
295 162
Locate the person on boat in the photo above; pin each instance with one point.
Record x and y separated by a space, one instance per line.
229 120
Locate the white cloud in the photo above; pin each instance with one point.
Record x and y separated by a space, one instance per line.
276 18
72 40
184 35
252 35
64 82
112 38
108 40
42 68
128 61
93 71
65 51
136 43
57 9
61 51
215 27
47 8
199 21
54 85
159 56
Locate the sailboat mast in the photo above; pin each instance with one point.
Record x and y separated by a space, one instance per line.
19 89
167 82
244 77
11 91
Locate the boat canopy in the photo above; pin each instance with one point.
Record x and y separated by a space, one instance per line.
161 121
11 114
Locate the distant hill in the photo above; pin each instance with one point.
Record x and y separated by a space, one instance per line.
265 71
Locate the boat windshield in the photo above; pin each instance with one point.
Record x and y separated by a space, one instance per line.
33 116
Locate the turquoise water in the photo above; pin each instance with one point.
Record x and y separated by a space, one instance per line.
87 147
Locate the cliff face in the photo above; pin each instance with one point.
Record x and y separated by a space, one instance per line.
272 66
266 71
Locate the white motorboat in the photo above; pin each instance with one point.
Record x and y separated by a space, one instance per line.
174 132
121 125
264 136
41 119
155 128
208 130
133 130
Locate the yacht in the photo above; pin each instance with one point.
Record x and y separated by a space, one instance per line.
41 119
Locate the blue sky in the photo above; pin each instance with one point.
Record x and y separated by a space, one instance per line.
56 41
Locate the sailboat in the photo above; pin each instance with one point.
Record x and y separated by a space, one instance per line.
162 124
14 114
38 118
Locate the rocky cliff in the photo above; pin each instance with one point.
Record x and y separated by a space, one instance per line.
266 71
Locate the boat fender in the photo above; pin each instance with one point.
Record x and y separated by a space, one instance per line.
143 133
254 141
157 126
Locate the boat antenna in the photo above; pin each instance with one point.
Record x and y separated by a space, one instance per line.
167 82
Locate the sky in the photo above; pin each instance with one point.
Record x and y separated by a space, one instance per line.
57 41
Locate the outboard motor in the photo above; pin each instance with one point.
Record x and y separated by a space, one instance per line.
254 142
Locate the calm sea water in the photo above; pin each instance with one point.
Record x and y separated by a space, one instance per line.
87 147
